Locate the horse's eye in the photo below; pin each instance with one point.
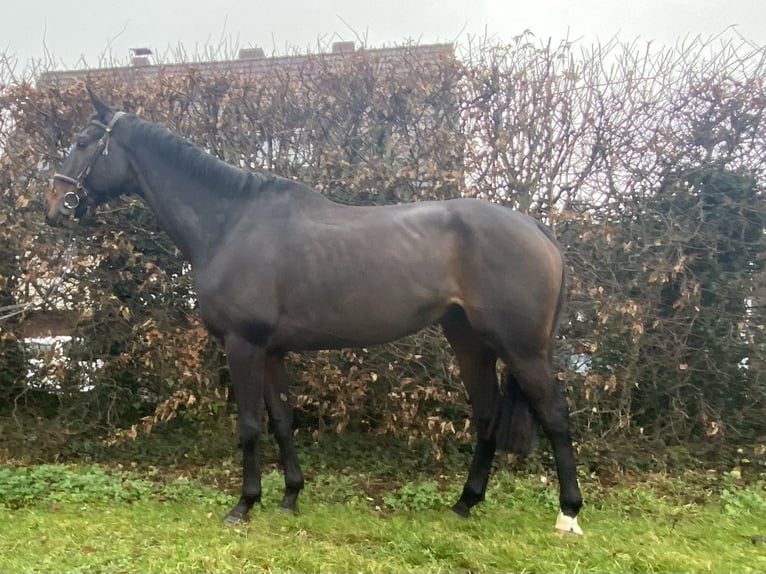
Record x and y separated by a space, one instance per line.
82 143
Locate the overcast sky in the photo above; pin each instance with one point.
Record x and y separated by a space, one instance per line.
80 33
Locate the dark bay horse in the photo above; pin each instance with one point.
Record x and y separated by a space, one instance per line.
279 267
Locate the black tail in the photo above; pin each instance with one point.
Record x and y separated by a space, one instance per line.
517 427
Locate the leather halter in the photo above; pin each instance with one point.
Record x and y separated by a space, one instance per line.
72 199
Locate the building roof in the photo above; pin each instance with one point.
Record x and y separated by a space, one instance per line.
252 61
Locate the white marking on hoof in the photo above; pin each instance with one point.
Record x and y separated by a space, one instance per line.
567 525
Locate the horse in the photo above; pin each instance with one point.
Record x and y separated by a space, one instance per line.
279 267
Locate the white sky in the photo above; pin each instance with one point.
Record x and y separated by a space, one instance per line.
90 31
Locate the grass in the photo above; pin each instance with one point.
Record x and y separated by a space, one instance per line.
91 518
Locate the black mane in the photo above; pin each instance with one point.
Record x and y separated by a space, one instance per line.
183 153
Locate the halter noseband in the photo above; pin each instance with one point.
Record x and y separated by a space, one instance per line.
72 199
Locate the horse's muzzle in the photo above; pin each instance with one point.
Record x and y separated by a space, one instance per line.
64 204
54 218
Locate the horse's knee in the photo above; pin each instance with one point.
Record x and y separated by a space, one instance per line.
248 429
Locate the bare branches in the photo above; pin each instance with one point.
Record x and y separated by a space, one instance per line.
649 164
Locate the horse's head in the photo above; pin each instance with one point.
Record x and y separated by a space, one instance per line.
95 169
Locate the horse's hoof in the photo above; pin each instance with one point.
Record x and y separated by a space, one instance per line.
567 525
461 510
235 519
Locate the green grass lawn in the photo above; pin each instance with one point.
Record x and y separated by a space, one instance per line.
92 518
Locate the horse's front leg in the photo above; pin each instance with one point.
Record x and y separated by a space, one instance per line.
277 395
247 368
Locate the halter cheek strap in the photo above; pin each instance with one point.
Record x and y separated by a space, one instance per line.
107 130
72 199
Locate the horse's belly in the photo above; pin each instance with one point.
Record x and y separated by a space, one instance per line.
358 328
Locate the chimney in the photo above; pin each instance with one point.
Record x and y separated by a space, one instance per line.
343 47
141 56
251 53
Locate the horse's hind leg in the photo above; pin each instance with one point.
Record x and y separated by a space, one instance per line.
277 396
477 368
533 375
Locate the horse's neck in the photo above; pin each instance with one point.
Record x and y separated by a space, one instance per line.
193 215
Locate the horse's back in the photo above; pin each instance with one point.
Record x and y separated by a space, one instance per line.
321 274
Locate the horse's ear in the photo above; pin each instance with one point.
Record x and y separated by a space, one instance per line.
102 109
